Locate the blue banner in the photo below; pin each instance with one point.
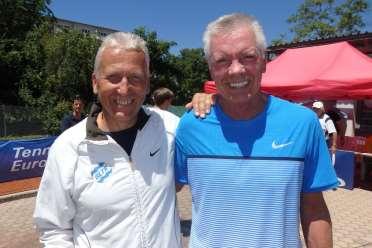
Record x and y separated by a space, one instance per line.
344 166
20 159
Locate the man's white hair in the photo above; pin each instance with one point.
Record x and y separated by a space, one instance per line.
227 24
124 41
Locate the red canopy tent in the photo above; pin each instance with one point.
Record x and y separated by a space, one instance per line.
327 72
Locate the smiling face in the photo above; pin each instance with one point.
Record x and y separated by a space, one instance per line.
121 83
236 65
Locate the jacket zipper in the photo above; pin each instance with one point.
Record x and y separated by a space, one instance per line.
139 211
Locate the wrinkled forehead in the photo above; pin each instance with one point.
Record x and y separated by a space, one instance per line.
234 43
114 59
117 54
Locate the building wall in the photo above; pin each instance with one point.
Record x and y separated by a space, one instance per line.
100 32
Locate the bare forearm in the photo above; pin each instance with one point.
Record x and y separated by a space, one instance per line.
316 221
334 139
318 234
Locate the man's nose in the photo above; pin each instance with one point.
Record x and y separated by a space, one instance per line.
123 86
236 67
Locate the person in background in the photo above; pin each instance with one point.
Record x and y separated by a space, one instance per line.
76 116
162 98
256 164
338 117
327 125
109 180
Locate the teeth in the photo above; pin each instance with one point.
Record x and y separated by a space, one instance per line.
239 84
121 101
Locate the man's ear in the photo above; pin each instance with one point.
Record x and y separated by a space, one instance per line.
94 84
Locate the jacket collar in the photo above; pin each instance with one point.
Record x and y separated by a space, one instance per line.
93 131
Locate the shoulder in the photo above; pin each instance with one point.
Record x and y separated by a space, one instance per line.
67 117
169 119
326 118
294 111
188 119
71 137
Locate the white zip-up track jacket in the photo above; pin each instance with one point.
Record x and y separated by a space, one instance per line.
92 194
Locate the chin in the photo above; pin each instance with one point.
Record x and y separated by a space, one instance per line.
122 115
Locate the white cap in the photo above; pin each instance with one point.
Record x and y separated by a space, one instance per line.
318 105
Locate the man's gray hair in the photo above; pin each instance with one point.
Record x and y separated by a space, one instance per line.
227 23
124 41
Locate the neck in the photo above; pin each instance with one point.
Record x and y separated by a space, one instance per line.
76 114
246 110
163 106
113 125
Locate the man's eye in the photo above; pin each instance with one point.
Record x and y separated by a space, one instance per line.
249 57
222 61
114 78
135 78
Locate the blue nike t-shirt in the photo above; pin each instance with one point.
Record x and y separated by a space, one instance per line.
246 176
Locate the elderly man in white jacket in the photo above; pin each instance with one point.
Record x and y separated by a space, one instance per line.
109 180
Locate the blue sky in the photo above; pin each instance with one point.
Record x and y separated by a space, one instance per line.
179 21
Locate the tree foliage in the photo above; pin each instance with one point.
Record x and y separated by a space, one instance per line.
193 72
44 69
17 19
350 20
162 69
326 18
63 68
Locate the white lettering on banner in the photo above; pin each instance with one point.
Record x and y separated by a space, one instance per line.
25 153
19 165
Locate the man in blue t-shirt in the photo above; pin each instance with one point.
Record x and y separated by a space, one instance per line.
256 164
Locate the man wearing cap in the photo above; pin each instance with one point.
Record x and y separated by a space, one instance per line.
327 125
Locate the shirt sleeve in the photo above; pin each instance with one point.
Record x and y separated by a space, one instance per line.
330 126
180 159
319 174
55 209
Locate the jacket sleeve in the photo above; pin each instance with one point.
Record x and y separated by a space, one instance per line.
55 208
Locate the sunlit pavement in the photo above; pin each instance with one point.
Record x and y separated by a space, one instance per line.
351 212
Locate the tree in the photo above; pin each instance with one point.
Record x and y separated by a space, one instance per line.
279 41
350 20
324 18
17 19
66 64
162 68
193 72
183 74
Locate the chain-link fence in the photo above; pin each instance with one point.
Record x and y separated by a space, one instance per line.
18 121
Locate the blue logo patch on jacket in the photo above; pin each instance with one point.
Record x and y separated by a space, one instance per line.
101 172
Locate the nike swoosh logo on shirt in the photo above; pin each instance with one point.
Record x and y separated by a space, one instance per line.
277 146
153 153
